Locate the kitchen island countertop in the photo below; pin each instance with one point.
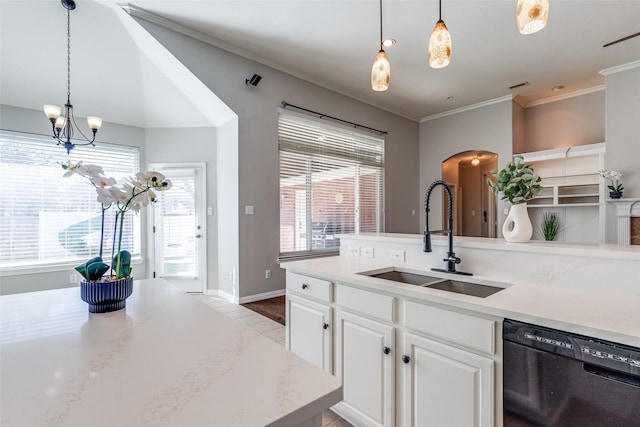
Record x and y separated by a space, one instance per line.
165 360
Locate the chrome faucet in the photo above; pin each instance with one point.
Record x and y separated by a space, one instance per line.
451 260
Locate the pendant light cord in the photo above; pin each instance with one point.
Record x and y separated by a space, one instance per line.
380 24
68 56
440 10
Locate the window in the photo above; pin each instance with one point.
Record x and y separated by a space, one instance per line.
48 220
331 182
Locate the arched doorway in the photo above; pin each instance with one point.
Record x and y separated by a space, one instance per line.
474 202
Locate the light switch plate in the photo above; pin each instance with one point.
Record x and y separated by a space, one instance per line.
248 210
354 250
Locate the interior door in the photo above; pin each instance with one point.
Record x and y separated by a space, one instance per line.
179 227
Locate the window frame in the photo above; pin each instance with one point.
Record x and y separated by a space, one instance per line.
309 251
57 154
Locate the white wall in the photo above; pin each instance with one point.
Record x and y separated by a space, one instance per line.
31 121
487 128
225 73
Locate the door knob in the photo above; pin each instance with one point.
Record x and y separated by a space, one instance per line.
405 358
386 350
198 236
305 286
325 326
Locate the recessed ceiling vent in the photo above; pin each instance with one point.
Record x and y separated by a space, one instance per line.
519 85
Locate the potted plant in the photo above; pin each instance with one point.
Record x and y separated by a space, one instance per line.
614 177
517 183
550 226
108 292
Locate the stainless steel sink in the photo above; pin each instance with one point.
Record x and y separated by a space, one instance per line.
481 290
404 277
466 288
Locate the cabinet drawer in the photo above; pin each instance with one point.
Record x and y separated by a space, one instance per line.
309 286
473 332
369 303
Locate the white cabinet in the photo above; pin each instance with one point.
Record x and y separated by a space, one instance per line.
308 331
573 189
444 386
365 363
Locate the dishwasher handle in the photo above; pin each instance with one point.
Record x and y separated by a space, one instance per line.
612 375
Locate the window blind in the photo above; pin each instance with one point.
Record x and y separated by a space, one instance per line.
331 182
48 220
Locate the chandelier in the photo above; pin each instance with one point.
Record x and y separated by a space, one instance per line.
63 125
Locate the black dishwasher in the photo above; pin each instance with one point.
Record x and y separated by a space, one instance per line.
558 379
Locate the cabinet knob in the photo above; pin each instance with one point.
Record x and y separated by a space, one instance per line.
325 326
405 358
386 350
305 286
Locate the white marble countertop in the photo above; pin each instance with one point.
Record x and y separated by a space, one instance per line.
608 316
165 360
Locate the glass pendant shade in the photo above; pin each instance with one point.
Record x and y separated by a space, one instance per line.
381 72
94 122
532 15
52 112
440 46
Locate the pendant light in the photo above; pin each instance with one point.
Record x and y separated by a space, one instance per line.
532 15
440 44
381 70
63 126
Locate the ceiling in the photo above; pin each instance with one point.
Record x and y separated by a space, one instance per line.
330 43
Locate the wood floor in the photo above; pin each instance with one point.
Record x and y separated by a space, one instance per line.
272 308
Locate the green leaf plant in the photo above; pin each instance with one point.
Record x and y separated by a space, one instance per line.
517 182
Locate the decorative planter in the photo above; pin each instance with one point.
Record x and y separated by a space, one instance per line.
615 194
106 296
517 227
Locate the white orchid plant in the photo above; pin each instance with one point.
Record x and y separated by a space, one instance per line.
614 177
134 194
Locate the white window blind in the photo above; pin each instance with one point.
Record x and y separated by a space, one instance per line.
331 182
49 220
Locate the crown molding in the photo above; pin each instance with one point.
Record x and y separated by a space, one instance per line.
573 94
467 108
620 68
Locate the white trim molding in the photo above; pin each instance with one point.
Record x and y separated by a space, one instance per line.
620 68
573 94
625 209
467 108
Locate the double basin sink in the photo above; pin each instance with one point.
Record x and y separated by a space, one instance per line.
444 284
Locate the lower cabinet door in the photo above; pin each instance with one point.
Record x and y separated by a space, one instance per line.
365 363
444 386
309 331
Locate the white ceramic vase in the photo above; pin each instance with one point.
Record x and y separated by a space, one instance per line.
517 227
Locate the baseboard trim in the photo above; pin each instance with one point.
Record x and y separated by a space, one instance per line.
259 297
222 294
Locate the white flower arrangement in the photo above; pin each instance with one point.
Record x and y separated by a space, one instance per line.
614 177
134 194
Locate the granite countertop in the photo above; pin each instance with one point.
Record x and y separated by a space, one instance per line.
165 360
609 316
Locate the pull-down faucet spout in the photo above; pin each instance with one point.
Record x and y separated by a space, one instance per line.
451 260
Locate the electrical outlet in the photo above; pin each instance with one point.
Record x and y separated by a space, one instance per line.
366 252
396 255
354 250
73 278
267 274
